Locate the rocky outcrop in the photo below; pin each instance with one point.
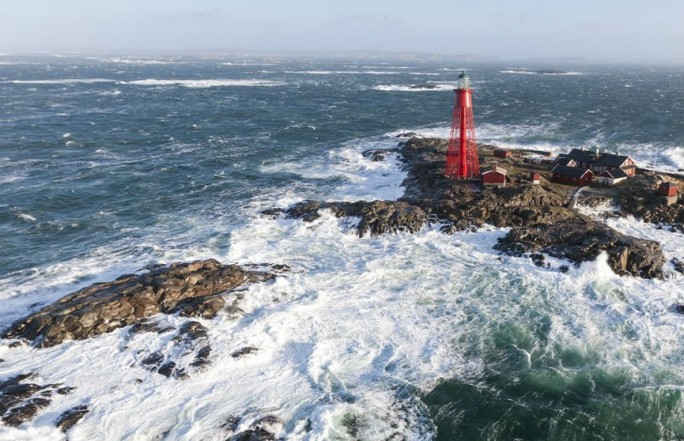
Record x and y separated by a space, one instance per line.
580 239
376 217
68 419
262 429
187 352
20 401
541 216
189 288
641 200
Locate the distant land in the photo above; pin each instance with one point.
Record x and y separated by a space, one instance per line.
341 55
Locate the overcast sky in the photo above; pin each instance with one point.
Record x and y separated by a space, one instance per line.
601 30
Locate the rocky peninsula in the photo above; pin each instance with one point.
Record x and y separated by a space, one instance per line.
542 218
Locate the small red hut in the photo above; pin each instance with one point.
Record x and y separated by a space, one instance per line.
502 153
668 189
495 177
535 177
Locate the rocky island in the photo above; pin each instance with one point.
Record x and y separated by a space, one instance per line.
542 218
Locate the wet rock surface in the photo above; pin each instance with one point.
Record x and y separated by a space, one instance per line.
641 200
188 288
247 350
189 351
541 217
262 429
581 239
21 400
72 416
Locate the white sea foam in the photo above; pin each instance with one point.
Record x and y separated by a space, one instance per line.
362 179
8 178
205 83
675 156
248 63
142 61
63 81
503 135
352 323
342 72
26 217
432 87
540 72
114 92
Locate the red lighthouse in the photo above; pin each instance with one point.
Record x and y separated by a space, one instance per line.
462 161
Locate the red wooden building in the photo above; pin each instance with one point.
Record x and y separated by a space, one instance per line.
502 153
571 175
668 189
495 177
535 177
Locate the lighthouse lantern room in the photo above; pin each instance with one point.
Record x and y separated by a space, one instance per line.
462 160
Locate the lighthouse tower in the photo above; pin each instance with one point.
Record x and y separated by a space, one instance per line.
462 161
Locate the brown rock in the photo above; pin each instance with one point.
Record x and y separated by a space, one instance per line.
104 307
72 416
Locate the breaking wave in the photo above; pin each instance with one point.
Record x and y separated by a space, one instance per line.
199 84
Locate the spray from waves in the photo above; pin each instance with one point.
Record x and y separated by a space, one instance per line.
675 156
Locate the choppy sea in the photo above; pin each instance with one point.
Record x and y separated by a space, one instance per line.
108 165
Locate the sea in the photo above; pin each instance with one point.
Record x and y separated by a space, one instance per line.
111 164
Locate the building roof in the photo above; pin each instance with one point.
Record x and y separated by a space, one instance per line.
572 172
614 174
611 160
581 155
497 169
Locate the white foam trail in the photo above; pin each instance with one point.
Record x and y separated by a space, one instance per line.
204 83
342 72
533 72
26 217
362 179
63 81
12 177
227 63
142 61
439 87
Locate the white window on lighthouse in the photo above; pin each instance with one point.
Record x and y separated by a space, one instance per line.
463 81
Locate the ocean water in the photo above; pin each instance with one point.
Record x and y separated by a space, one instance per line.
111 164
